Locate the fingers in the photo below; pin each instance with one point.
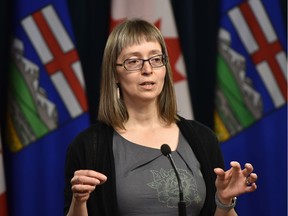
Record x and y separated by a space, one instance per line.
85 181
251 183
251 179
235 170
248 169
251 188
219 171
88 177
235 181
235 167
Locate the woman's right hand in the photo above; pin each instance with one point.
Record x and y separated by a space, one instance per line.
84 182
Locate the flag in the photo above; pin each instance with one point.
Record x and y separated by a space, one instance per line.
3 198
47 106
160 13
251 99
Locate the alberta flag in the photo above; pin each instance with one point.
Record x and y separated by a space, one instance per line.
47 107
160 13
251 101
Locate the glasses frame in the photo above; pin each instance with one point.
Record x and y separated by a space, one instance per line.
164 61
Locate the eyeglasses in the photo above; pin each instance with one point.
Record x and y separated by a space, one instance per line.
137 63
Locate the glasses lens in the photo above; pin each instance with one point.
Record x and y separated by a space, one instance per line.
157 61
137 64
133 64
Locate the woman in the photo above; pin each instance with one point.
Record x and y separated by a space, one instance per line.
115 167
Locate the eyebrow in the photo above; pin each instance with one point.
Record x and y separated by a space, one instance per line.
127 55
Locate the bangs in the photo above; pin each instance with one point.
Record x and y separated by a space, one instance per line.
136 33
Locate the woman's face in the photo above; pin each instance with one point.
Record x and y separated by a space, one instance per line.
144 85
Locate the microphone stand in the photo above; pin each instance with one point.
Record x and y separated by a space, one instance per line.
181 203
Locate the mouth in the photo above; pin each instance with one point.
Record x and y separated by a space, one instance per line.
148 83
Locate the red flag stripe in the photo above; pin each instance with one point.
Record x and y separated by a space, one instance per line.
267 51
61 61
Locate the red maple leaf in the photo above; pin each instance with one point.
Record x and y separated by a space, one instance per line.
174 51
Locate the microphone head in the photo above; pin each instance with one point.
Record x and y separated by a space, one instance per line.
165 149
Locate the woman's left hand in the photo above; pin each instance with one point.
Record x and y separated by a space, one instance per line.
235 181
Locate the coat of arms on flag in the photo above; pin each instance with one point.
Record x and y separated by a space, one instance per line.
254 82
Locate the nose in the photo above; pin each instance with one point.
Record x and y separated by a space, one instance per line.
147 68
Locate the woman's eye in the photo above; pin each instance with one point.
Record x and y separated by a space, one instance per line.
132 61
157 59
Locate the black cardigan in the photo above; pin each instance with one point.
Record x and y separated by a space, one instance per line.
92 149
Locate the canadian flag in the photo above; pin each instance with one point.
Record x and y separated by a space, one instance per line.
3 202
160 13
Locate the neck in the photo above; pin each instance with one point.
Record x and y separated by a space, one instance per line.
144 119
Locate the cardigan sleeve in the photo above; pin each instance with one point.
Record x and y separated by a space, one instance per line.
78 156
92 149
210 144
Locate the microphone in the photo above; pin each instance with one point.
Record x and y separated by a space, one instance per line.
166 151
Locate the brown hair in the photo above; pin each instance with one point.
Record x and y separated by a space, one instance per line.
112 109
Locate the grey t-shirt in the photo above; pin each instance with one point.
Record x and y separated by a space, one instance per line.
146 182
